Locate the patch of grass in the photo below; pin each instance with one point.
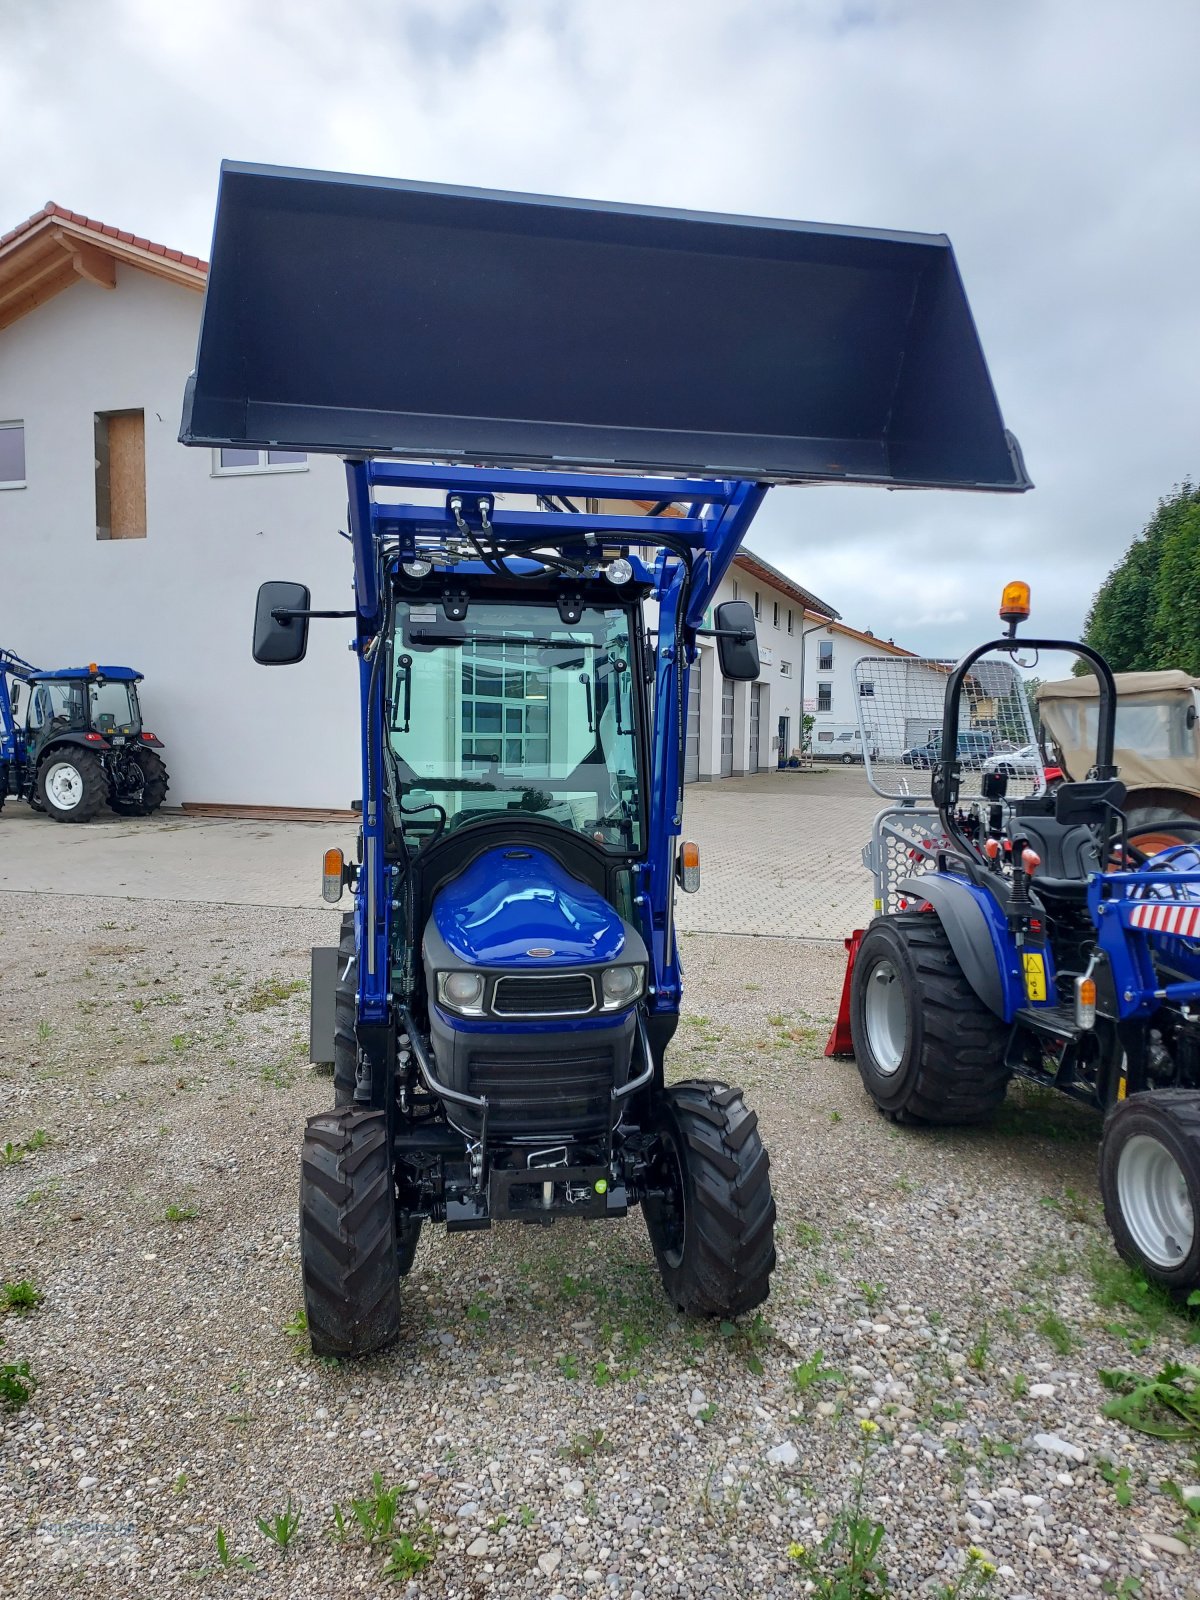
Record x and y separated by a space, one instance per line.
16 1151
808 1235
977 1356
277 1075
706 1413
175 1213
1118 1479
1052 1327
1019 1387
181 1483
44 1029
36 1196
872 1294
1189 1504
752 1338
1118 1286
568 1366
272 992
479 1312
279 1528
1031 1111
526 1516
20 1296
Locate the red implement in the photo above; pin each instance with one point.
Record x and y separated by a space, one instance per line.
840 1043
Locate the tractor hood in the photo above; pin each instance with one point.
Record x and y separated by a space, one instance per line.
361 316
515 906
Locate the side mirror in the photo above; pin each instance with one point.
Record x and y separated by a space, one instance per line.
280 639
737 641
16 698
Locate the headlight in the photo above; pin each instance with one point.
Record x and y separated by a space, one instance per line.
621 985
462 991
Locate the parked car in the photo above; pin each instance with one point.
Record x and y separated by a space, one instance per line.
842 744
1015 763
973 750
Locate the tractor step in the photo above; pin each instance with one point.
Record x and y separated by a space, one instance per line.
1058 1022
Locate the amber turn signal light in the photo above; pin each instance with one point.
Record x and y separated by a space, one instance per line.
333 876
689 866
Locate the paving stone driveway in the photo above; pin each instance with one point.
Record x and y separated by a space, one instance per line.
780 854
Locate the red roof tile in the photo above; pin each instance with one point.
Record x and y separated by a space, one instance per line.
50 209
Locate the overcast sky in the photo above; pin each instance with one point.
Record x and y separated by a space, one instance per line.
1057 142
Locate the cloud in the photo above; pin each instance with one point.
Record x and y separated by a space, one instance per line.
1058 144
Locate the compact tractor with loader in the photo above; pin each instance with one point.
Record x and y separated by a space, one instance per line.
558 419
1049 935
77 742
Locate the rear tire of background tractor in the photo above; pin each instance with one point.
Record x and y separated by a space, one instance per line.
927 1047
345 1001
1150 1183
712 1224
155 784
71 785
348 1250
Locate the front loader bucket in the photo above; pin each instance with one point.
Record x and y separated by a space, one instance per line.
365 316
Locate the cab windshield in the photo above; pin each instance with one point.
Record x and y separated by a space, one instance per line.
513 710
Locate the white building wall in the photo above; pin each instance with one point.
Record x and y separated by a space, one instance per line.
179 604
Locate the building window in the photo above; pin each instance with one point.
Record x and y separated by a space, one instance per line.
825 655
120 474
735 589
866 688
785 669
757 606
229 462
789 619
12 455
824 697
775 613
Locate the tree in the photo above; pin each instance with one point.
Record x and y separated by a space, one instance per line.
1146 614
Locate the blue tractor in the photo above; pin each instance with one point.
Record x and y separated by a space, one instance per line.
558 419
1034 932
76 741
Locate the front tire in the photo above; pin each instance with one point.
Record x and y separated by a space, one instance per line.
71 785
1150 1183
927 1047
711 1218
348 1247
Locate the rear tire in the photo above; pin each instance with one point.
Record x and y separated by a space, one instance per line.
1150 1183
927 1047
348 1246
155 784
71 784
712 1224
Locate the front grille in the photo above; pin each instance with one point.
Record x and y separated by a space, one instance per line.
560 1093
570 994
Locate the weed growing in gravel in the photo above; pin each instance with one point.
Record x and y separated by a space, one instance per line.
296 1328
1115 1285
17 1384
977 1357
1129 1587
180 1214
752 1338
872 1294
808 1235
1189 1504
410 1554
280 1527
1166 1406
1019 1387
846 1565
1052 1327
277 1075
15 1152
181 1483
375 1512
1118 1479
584 1446
812 1371
20 1296
227 1558
568 1366
974 1579
526 1516
44 1029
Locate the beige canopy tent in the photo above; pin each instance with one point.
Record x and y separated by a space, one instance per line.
1157 736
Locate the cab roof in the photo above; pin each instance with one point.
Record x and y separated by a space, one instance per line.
96 671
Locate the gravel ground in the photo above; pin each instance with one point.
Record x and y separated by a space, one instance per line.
558 1429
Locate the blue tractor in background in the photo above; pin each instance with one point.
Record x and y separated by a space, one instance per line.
1033 932
76 741
558 419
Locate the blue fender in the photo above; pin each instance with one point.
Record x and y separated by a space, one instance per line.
979 935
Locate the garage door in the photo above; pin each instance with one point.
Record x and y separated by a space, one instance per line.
691 754
726 727
755 707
